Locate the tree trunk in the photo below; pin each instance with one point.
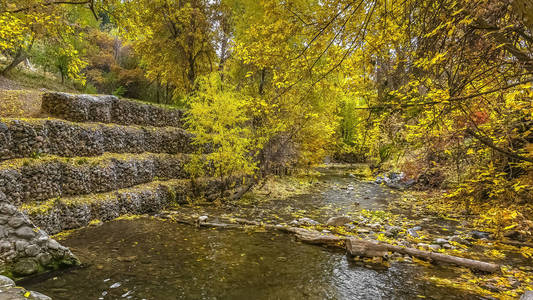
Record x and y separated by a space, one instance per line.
19 57
262 82
371 248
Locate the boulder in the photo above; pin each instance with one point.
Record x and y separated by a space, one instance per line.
6 281
365 248
25 267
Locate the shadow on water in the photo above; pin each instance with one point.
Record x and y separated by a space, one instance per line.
153 259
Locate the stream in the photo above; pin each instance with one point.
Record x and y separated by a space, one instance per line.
151 258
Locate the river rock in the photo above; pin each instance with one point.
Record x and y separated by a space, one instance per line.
38 296
338 221
479 234
25 267
434 247
21 245
25 232
32 250
16 222
6 281
528 295
392 230
375 226
447 246
423 246
53 244
412 232
395 180
307 221
349 226
441 241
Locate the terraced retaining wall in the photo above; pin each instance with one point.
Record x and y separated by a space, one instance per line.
28 180
31 137
26 249
62 214
107 109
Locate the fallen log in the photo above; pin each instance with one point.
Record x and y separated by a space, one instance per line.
305 235
357 247
370 248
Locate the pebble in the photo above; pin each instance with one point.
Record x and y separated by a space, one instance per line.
115 285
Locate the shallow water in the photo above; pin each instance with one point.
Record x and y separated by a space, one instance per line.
153 259
149 258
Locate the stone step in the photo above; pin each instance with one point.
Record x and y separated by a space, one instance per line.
109 109
21 138
24 180
67 213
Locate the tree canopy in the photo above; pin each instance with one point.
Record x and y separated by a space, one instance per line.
439 89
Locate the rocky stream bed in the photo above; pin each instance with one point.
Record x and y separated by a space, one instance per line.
159 257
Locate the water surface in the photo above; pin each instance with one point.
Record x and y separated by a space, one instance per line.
149 258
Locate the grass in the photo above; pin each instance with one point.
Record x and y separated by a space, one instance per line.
22 89
20 103
38 80
103 159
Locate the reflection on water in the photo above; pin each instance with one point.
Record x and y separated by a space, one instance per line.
153 259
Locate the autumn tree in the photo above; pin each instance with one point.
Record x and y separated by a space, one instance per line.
174 39
24 24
